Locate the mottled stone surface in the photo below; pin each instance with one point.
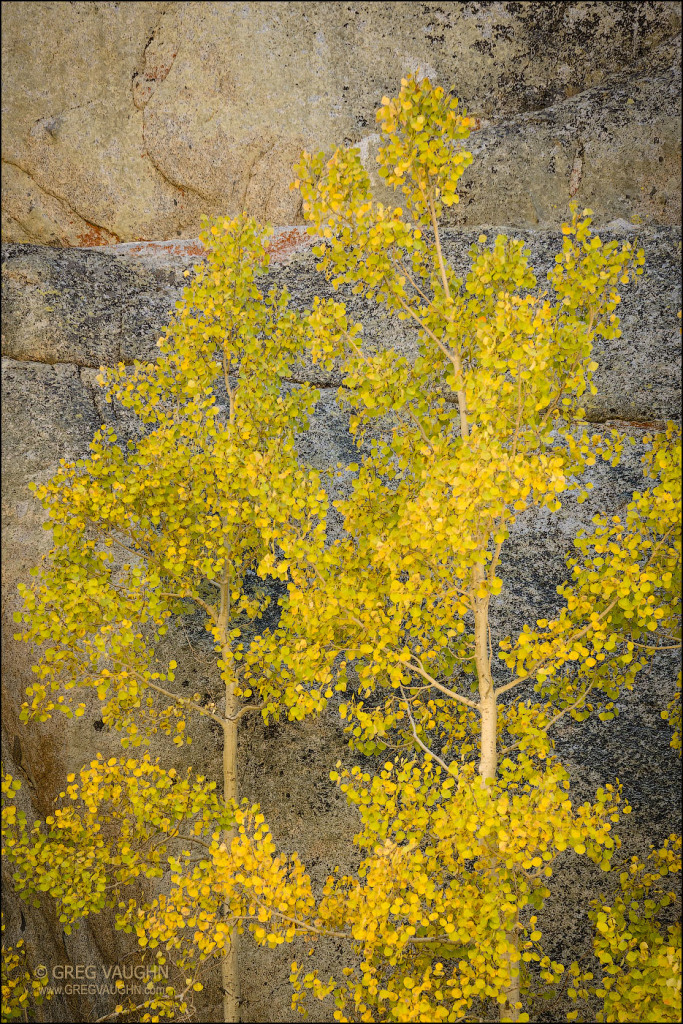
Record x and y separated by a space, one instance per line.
125 121
67 312
100 306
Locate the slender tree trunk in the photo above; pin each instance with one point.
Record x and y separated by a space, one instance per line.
487 698
509 1010
230 978
489 760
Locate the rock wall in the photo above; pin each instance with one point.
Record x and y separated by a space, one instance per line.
127 121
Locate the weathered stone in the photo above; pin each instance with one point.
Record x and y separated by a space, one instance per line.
94 307
128 121
616 151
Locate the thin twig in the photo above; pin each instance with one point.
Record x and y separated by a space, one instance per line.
231 396
410 278
420 428
167 693
413 939
571 640
653 647
455 358
586 628
544 728
417 738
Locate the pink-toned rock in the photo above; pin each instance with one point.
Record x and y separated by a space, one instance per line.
284 243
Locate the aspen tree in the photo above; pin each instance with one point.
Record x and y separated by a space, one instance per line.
211 495
462 825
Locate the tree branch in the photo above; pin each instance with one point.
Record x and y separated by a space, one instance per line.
420 428
231 396
173 696
244 710
586 628
413 939
437 341
439 686
209 609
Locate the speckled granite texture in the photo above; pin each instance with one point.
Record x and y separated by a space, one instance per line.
126 121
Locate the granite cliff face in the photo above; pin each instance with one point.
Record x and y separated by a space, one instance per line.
125 122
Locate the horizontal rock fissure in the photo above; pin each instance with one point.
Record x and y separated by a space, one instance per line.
323 385
61 199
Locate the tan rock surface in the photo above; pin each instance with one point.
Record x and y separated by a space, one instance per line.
127 121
